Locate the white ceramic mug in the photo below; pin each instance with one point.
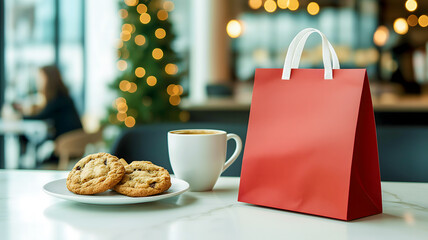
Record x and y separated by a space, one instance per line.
198 156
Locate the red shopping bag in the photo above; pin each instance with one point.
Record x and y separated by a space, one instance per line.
311 142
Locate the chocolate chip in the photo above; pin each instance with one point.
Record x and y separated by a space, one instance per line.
78 168
153 184
105 162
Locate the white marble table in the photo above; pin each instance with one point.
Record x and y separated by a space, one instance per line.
26 212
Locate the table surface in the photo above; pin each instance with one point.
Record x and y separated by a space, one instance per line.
26 212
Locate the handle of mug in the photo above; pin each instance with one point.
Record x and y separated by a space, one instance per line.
237 150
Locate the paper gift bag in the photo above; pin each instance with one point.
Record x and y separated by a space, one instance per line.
311 142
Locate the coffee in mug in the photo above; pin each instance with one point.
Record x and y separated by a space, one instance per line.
198 156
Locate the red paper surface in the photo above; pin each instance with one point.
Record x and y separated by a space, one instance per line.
311 144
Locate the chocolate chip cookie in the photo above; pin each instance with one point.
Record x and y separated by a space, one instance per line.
95 173
143 178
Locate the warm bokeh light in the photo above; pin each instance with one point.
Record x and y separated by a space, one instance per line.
140 72
131 2
283 4
234 28
162 15
169 89
313 8
293 5
423 20
133 88
141 8
411 5
151 81
122 107
381 35
122 65
171 69
412 20
129 121
124 85
123 13
174 100
127 27
400 26
145 18
120 100
270 6
168 5
157 53
125 36
184 116
255 4
121 116
140 40
160 33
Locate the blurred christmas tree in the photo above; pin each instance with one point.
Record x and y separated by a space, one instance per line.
147 86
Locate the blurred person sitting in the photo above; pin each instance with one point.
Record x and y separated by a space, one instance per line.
56 105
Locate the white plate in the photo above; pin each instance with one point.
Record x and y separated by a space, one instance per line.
59 189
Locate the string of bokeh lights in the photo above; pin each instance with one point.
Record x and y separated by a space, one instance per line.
124 114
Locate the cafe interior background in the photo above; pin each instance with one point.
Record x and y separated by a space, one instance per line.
133 64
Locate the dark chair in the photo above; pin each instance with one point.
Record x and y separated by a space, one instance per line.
149 143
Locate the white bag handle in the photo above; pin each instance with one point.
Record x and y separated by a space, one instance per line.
295 49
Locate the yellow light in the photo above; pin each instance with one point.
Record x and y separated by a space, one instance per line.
313 8
293 5
125 36
171 69
160 33
180 89
162 15
400 26
131 2
122 107
133 88
122 65
174 100
255 4
151 81
127 27
234 28
140 40
283 4
381 35
168 5
411 5
120 100
129 121
157 53
124 85
140 72
123 13
141 8
270 6
121 116
423 20
184 116
169 89
412 20
145 18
